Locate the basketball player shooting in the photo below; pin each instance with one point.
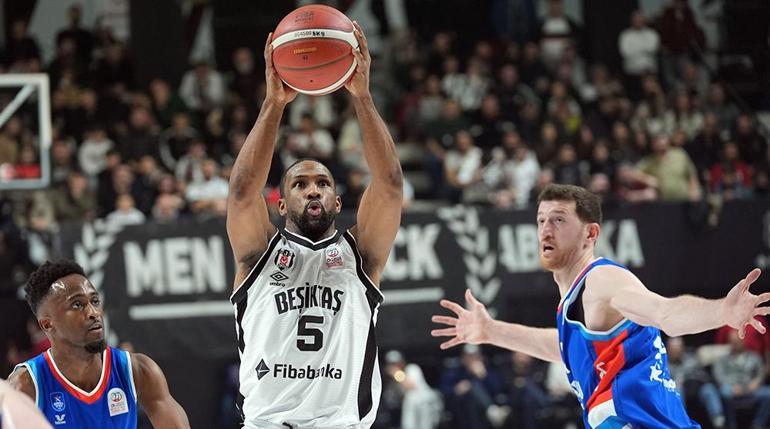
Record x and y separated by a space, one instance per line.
81 382
306 295
608 322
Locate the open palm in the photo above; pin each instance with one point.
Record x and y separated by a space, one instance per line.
470 326
741 306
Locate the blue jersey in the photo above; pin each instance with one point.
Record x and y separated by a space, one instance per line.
621 375
110 405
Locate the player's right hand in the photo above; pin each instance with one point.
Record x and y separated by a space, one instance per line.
276 90
470 326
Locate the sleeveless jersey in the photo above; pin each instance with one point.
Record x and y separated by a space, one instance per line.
620 376
111 405
305 318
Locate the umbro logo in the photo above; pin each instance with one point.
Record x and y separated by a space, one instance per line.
279 276
262 369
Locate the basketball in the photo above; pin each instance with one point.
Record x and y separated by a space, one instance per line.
312 49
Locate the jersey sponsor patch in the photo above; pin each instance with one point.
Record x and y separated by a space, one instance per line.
59 419
57 401
334 257
289 371
117 401
284 259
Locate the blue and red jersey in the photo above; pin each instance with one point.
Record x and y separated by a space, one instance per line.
620 375
110 405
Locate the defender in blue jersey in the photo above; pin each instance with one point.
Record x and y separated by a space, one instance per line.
608 322
80 382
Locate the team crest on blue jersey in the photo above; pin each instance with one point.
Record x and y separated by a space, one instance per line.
284 259
57 401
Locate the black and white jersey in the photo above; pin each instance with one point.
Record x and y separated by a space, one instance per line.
305 318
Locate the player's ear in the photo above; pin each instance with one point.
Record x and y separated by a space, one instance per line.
593 231
337 204
45 324
282 206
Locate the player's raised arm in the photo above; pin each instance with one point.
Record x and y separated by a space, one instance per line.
152 389
476 326
379 213
248 222
685 314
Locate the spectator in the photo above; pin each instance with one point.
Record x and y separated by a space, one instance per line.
142 136
731 178
355 185
202 88
512 93
84 40
20 49
470 390
122 182
208 196
751 144
462 168
408 395
166 209
684 117
717 104
639 46
92 155
512 172
165 102
175 141
673 171
125 213
739 375
557 31
693 382
679 34
76 202
309 141
488 125
189 167
320 109
705 148
567 169
244 80
28 166
635 186
67 69
63 161
527 398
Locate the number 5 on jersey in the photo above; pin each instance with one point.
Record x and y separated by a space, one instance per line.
304 331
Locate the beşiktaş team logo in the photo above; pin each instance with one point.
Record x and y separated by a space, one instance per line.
284 259
57 401
289 371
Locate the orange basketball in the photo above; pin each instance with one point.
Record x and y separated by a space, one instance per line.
312 49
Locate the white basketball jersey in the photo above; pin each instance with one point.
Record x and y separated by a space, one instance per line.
305 318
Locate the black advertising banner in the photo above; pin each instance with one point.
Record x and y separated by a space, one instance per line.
167 287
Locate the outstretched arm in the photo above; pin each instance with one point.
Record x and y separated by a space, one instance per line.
17 410
475 326
379 213
164 412
682 315
248 222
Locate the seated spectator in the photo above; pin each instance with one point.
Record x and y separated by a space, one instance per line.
320 109
354 188
407 394
512 173
705 148
76 202
188 168
165 102
92 154
28 166
125 213
639 45
309 141
167 208
752 146
63 161
470 390
693 381
462 168
635 186
730 178
175 140
208 196
20 48
740 375
718 105
675 173
202 88
526 395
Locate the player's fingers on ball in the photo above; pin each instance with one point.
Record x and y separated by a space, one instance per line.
451 321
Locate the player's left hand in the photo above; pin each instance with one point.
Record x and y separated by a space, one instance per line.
741 306
358 84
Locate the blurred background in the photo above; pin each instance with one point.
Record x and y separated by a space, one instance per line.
660 106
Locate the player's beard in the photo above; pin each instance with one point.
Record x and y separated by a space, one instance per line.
96 346
310 227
